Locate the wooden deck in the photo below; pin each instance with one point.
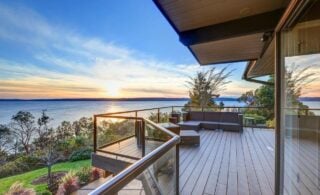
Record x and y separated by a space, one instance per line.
234 163
228 163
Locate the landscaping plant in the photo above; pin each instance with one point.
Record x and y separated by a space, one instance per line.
84 175
18 189
68 184
81 154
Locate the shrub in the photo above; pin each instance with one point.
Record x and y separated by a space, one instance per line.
81 154
84 175
271 123
258 119
19 165
18 189
95 174
77 142
68 184
66 147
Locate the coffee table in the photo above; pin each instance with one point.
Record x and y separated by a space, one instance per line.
189 137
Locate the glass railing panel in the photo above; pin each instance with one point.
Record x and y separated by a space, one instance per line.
118 136
165 114
151 114
159 178
154 137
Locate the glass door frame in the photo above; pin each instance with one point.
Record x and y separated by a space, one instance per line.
294 10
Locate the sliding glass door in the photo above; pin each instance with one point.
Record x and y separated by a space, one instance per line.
300 103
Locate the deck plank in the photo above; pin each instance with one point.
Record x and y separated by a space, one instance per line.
254 186
212 181
258 168
243 186
221 187
263 162
197 169
194 161
233 173
194 153
202 180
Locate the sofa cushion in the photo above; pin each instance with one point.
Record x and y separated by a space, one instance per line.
212 116
231 117
231 127
189 125
195 116
210 125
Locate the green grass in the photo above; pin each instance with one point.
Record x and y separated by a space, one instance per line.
28 177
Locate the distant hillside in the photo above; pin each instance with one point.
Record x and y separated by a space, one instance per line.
314 99
226 99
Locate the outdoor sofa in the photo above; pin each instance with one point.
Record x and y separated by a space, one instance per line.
227 121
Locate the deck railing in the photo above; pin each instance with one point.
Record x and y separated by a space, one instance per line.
157 147
158 115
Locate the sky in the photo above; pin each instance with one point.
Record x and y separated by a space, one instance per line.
96 49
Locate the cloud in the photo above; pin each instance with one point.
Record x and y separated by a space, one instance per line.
64 63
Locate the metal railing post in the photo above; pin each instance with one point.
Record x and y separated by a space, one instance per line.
135 131
177 168
94 133
143 138
158 115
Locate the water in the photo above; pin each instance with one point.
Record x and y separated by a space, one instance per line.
313 104
73 110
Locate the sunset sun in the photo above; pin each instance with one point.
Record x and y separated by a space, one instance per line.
112 89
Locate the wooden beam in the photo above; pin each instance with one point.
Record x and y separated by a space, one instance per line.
265 22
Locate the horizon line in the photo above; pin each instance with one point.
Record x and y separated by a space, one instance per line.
106 99
123 99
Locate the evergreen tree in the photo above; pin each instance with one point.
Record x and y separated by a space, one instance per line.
207 85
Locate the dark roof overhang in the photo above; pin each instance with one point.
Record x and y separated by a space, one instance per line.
218 31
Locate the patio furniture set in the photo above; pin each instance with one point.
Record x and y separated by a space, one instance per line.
194 121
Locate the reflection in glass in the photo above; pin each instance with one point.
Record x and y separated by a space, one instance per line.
300 119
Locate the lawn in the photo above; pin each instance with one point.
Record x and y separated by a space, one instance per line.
28 177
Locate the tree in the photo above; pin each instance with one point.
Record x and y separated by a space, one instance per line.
42 130
207 85
46 144
5 138
49 154
248 98
64 130
5 143
298 78
22 125
83 127
221 105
